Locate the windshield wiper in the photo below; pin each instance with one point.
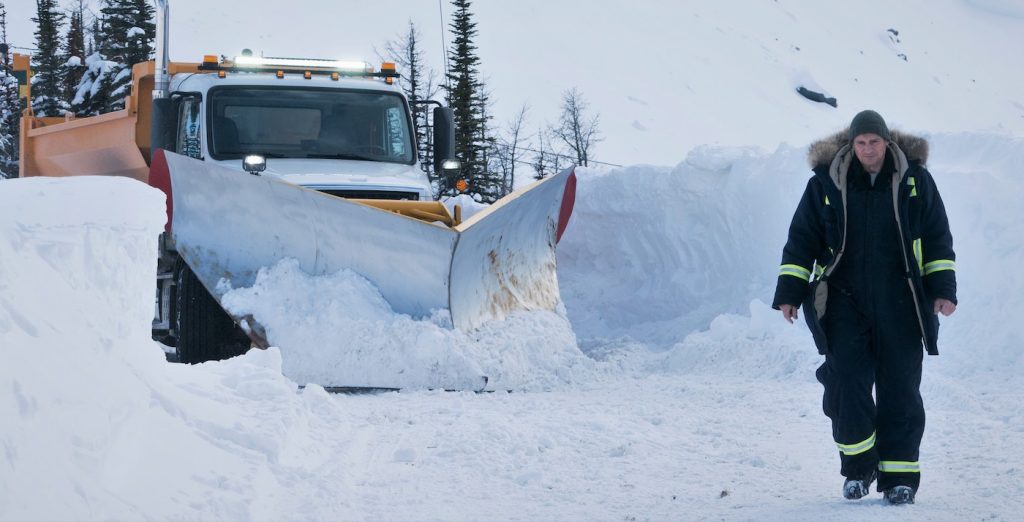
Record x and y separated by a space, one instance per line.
343 156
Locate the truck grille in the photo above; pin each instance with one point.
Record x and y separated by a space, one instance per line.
373 194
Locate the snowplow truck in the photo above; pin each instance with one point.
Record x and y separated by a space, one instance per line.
267 159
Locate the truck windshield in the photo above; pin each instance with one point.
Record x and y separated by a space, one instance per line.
284 122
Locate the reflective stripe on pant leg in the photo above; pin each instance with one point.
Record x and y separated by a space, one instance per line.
899 466
858 448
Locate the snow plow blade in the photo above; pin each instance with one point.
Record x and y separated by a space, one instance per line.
228 224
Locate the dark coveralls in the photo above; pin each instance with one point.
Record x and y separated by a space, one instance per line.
876 307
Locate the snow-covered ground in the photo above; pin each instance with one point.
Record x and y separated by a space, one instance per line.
687 397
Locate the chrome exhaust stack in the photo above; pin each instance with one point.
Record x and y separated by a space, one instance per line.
161 82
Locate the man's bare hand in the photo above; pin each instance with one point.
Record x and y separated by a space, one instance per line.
789 312
945 307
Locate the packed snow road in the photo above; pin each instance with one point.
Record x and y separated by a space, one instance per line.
666 389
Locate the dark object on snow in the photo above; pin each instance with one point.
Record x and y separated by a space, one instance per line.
816 96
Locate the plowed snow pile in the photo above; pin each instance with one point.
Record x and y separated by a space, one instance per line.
338 330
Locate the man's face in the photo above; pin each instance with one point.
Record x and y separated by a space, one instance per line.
870 150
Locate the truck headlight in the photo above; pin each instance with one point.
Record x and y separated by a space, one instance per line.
254 164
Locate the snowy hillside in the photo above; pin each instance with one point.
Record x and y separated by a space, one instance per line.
690 398
668 76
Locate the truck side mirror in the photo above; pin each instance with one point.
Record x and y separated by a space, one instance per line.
163 125
444 139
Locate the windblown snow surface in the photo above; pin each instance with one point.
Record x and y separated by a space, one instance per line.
666 389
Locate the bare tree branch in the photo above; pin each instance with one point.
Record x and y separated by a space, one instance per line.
576 128
509 149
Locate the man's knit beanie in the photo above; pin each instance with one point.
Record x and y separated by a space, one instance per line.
868 122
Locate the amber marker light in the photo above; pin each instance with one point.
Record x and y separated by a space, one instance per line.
210 59
461 185
280 74
307 75
388 67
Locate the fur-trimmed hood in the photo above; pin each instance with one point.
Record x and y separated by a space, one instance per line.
823 151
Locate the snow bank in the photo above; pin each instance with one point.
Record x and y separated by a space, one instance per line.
94 424
653 254
979 177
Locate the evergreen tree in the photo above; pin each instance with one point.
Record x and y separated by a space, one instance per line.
128 31
490 186
10 119
48 61
468 100
74 49
419 83
94 37
10 106
125 37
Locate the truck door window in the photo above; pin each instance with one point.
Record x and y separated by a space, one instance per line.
395 121
189 128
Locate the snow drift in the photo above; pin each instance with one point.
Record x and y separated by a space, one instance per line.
94 424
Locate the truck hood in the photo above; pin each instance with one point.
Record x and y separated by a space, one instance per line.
323 173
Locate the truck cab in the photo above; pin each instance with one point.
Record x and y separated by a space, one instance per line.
333 127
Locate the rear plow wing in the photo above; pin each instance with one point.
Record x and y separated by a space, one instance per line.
228 224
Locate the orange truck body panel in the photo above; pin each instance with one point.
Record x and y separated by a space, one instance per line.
112 144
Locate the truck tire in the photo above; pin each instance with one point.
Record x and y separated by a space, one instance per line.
205 332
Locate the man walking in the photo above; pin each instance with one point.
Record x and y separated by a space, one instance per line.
870 257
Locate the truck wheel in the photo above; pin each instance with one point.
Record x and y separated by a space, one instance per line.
205 331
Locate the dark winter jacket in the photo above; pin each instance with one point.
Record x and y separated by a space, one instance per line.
817 234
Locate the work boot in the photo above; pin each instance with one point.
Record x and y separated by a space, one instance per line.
855 488
898 495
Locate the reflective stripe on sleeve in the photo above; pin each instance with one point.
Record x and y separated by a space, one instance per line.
918 255
913 184
939 265
858 448
795 271
899 466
